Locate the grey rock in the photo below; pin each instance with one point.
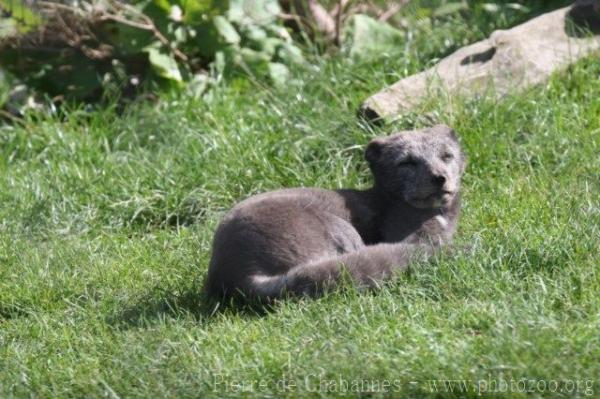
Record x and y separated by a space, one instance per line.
508 60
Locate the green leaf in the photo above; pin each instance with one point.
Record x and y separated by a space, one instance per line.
254 33
198 86
22 17
269 45
490 7
279 31
258 39
226 30
364 37
253 57
279 73
423 12
248 60
450 8
164 64
197 12
253 12
8 28
290 54
518 7
220 63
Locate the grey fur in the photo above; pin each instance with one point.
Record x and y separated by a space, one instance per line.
303 240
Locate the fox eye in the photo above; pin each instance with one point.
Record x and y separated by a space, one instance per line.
407 162
447 157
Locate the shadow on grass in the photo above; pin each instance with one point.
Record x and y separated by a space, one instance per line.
161 303
190 300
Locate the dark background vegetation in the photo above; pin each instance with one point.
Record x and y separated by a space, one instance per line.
53 52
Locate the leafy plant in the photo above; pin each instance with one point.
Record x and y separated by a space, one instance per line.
82 52
89 49
367 38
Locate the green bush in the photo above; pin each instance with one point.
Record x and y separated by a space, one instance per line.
84 52
112 48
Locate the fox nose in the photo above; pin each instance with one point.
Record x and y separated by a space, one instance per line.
439 180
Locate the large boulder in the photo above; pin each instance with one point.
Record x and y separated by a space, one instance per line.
509 59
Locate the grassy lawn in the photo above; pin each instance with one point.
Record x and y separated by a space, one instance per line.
106 223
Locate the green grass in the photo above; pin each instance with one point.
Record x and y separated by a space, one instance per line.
106 222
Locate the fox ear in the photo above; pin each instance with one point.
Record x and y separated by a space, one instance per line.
374 149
